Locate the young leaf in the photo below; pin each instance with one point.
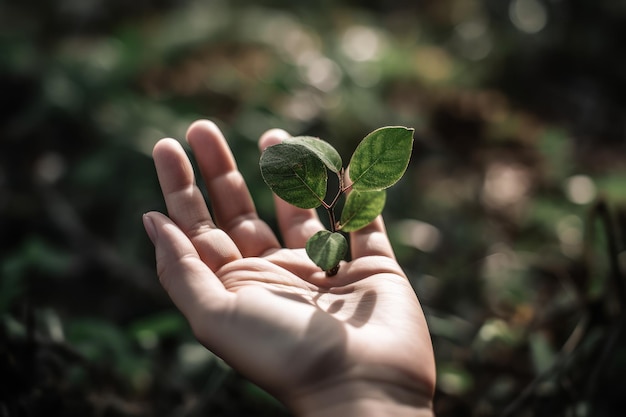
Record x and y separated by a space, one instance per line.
295 174
381 158
361 208
326 249
324 150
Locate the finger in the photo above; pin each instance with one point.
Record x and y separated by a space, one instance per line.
230 199
186 205
296 225
192 286
372 240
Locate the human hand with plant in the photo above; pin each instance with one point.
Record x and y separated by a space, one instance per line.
355 344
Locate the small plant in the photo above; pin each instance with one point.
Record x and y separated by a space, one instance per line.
297 171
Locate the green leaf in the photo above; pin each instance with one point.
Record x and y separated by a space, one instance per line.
326 249
381 158
361 208
324 150
295 174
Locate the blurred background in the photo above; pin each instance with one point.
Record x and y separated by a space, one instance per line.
509 222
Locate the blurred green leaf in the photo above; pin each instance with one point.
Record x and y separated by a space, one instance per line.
11 283
555 145
104 343
454 380
35 255
162 324
99 340
542 353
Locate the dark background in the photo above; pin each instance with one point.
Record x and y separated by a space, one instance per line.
509 222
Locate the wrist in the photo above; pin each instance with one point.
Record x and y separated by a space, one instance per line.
364 397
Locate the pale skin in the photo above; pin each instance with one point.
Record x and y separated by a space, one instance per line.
355 344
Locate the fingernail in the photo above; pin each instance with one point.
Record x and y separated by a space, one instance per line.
150 227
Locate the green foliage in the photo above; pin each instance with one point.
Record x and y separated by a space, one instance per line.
103 342
150 330
381 158
295 174
34 256
361 208
326 249
292 170
322 149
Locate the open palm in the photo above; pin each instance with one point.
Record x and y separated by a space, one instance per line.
268 311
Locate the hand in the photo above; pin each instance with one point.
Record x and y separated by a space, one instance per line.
353 344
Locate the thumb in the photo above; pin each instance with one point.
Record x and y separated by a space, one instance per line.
192 286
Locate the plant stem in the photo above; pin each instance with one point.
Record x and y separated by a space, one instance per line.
331 219
333 271
330 208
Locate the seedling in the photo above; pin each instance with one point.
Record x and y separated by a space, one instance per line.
297 171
